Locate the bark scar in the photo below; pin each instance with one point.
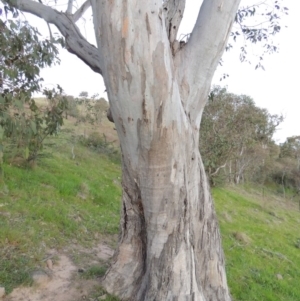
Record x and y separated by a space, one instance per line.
122 125
148 25
144 108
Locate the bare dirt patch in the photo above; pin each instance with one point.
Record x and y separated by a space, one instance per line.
61 280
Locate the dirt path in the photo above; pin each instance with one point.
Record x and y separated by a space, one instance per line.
61 281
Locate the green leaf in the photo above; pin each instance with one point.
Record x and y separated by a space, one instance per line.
26 153
33 127
18 103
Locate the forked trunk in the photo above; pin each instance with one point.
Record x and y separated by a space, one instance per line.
170 247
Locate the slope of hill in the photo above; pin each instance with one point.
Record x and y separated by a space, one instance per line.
70 202
261 241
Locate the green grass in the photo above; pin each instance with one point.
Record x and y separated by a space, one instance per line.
274 231
98 293
59 201
95 271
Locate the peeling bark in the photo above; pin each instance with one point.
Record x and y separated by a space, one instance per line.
170 235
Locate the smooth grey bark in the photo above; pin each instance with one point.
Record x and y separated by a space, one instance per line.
82 9
70 7
170 245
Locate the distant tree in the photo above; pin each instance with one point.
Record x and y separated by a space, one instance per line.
92 109
234 135
84 94
291 148
100 109
287 172
72 107
263 164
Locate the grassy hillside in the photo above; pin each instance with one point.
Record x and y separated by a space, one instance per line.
261 241
61 201
67 201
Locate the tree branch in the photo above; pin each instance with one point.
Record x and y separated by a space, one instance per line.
199 57
213 27
83 8
217 170
173 11
75 42
70 7
50 32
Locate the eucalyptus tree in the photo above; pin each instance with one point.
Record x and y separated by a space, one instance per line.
288 171
291 148
157 86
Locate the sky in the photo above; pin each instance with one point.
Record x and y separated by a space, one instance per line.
274 89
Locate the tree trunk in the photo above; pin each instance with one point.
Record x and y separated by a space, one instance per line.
170 247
